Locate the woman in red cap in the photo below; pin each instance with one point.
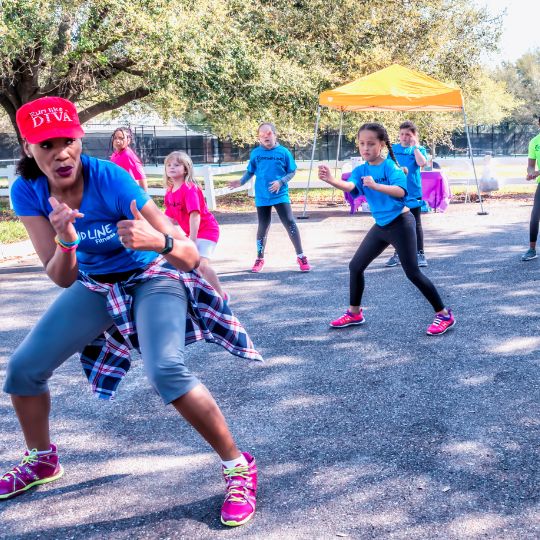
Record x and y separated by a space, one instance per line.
124 269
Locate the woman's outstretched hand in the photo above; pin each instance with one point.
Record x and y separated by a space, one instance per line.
138 234
62 218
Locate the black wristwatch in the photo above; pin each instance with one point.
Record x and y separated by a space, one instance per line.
169 243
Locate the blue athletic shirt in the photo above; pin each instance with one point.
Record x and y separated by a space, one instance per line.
384 208
405 158
108 192
268 166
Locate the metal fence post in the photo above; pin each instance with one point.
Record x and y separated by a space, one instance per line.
209 191
11 178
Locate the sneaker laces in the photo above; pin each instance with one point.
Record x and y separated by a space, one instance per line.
31 459
235 493
439 319
303 259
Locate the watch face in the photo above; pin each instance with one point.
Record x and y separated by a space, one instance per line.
169 242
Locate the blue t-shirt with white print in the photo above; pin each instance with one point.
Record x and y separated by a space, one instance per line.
268 166
405 158
384 208
108 192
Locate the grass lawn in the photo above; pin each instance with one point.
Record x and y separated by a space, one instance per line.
11 230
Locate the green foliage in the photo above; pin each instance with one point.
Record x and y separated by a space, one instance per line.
522 78
233 63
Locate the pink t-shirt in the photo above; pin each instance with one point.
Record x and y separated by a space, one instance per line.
128 160
186 199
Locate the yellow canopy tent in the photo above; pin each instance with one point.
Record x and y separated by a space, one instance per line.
395 88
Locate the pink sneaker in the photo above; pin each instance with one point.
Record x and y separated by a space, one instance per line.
349 319
441 324
239 505
257 266
32 471
303 264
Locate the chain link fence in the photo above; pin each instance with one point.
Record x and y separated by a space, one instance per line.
154 143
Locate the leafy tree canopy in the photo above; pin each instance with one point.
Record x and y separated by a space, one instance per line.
522 78
232 63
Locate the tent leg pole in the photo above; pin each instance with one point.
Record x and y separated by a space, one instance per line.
332 203
482 211
303 216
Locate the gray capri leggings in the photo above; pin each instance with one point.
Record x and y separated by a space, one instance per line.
79 315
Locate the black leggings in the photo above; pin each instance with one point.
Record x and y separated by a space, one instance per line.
535 216
401 234
264 214
417 213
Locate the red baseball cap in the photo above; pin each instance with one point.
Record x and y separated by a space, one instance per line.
48 118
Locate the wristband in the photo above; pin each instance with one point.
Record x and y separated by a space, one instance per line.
65 244
67 250
64 248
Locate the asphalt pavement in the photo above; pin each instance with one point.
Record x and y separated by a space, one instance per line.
368 432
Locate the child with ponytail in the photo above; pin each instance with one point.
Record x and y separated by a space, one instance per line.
384 185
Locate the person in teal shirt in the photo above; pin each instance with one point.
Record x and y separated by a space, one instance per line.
273 167
411 158
533 173
384 185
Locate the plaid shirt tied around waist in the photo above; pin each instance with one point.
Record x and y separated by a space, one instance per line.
107 359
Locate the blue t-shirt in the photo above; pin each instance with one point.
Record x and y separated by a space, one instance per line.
108 192
405 158
268 166
384 208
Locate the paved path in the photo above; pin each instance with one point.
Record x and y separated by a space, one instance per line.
371 432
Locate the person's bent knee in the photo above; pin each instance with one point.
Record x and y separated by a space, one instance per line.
355 268
170 378
23 376
414 275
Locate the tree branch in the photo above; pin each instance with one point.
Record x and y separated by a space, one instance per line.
113 103
63 43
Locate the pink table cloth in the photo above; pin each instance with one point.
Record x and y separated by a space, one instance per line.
435 190
354 202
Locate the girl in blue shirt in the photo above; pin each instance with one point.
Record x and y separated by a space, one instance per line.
273 166
384 185
411 157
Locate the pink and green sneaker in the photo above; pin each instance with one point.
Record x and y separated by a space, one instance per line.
239 505
33 470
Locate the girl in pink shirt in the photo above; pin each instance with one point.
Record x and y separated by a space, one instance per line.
126 158
185 206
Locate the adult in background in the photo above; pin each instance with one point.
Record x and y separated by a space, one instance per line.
125 157
533 173
123 267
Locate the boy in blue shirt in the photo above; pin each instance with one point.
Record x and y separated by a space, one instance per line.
273 166
411 157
